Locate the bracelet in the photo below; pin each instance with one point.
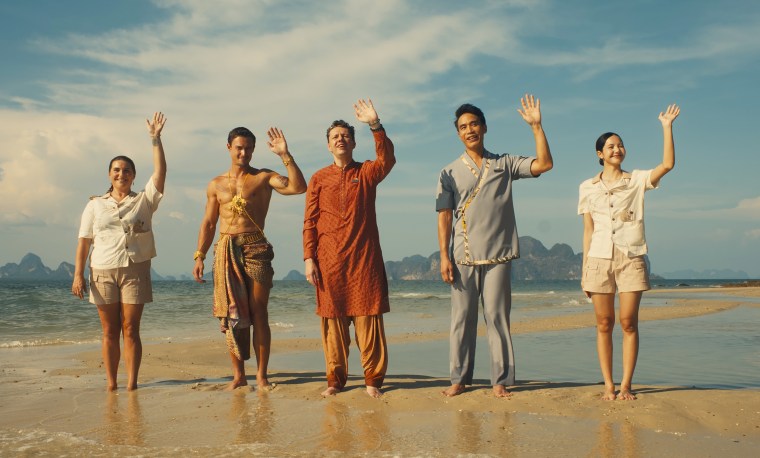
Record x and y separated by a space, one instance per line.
376 124
286 162
199 254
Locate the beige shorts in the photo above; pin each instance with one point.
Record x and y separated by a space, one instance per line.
126 285
621 272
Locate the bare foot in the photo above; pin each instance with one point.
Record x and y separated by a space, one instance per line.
609 394
265 385
626 395
330 391
236 384
131 387
500 391
454 390
374 392
112 388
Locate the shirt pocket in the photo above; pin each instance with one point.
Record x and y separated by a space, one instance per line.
634 232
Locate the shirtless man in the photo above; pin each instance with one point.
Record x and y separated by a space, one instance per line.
243 256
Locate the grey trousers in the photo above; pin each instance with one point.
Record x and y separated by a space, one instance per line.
491 286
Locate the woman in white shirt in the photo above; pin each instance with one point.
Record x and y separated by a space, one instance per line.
118 228
614 247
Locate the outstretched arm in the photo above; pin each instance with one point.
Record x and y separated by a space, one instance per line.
668 146
531 113
294 183
384 149
159 161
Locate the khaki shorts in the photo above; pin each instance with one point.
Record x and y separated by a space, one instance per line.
621 272
126 285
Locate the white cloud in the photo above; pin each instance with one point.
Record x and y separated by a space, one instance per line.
177 215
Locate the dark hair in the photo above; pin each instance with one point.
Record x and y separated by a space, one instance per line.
471 109
345 125
240 132
602 140
125 159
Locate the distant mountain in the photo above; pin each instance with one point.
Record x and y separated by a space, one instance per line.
710 274
32 268
535 263
294 275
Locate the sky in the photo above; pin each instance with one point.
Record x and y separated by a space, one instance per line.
79 78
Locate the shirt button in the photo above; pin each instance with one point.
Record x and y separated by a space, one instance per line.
613 220
611 205
613 232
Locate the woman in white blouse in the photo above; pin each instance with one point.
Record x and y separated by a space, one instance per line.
614 247
118 228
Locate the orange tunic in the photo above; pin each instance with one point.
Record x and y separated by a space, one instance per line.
340 233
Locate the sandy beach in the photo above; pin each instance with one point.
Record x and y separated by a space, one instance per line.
54 402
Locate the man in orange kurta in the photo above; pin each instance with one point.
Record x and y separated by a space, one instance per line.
342 254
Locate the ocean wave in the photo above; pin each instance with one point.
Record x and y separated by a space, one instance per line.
419 296
533 293
43 343
279 324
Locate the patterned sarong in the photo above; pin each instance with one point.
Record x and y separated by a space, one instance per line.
239 259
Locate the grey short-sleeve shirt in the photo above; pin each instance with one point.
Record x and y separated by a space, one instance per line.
484 230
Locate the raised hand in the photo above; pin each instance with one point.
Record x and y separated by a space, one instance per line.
157 125
669 115
365 112
531 109
277 142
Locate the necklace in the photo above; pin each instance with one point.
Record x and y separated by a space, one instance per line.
238 202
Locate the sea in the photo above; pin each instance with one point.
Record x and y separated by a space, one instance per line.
719 350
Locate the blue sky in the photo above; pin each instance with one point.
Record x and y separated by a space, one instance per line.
79 78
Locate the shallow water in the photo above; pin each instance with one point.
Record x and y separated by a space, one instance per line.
716 351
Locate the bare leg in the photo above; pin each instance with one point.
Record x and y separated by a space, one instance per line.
454 390
604 308
500 391
629 322
110 321
130 326
262 335
238 365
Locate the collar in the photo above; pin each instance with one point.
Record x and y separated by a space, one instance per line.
598 178
107 196
351 164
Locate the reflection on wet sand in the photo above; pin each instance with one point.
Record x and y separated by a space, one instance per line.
254 418
123 428
622 443
354 432
478 432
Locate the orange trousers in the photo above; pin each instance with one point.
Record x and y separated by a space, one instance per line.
369 333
